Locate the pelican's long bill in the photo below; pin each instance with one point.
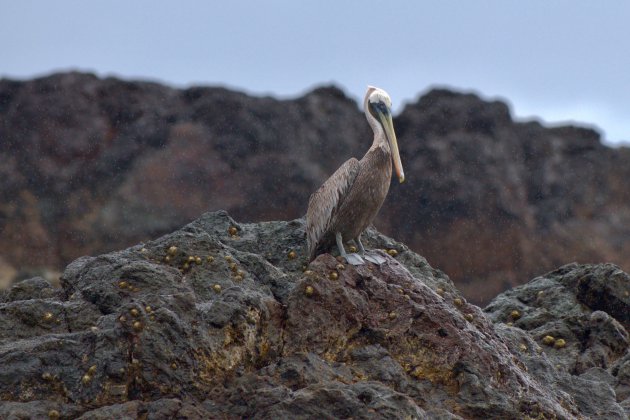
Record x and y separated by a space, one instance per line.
388 127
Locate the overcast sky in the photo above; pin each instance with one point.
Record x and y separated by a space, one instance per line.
554 60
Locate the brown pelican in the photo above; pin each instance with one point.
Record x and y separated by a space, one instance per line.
343 207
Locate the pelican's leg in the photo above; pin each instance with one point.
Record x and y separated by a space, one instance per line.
371 256
353 259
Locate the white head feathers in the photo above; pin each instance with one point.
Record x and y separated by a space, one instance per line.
375 94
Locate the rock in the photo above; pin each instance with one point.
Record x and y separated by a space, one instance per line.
587 307
225 319
135 160
34 288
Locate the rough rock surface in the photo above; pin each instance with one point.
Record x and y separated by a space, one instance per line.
221 320
90 165
580 316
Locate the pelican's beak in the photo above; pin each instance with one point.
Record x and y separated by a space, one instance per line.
388 127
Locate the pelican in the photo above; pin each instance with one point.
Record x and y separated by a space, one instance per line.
345 205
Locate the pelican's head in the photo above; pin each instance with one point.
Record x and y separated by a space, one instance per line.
378 111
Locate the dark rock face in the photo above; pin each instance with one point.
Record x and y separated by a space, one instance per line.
221 320
507 200
89 165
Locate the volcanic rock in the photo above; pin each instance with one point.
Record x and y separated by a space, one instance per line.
226 320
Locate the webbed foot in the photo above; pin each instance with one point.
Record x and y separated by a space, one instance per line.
374 257
354 259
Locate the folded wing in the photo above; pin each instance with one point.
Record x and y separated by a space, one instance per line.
324 203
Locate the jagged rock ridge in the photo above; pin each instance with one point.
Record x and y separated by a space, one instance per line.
90 165
220 320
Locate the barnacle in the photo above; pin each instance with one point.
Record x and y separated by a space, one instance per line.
560 343
548 340
515 314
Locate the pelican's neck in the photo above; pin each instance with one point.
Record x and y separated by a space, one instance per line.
379 134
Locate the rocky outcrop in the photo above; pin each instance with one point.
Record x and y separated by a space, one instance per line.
224 320
579 316
89 165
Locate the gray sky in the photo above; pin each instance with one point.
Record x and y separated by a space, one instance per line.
556 60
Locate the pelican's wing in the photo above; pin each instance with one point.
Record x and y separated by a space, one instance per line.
325 202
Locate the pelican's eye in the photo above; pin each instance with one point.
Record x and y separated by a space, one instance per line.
379 107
